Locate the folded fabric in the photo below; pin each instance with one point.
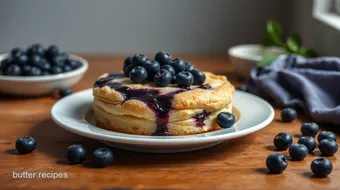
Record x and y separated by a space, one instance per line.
293 81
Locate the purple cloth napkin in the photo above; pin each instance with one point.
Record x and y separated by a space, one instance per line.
294 81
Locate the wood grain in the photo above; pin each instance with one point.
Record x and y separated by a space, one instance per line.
237 164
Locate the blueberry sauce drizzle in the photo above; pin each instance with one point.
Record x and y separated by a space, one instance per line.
205 86
200 118
159 103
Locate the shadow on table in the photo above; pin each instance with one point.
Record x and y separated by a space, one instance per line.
53 141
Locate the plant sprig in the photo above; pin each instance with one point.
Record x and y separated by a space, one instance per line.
292 45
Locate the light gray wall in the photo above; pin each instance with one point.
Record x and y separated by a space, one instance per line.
323 38
124 26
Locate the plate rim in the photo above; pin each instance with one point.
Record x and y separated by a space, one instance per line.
161 141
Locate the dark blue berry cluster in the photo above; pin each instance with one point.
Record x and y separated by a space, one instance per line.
37 61
162 70
321 167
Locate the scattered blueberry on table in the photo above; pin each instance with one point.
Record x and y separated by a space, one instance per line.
37 61
298 152
309 129
139 68
328 147
76 154
225 120
321 167
309 142
283 140
102 157
288 115
65 92
326 135
25 144
276 163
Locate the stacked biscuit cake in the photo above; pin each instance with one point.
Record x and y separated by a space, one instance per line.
148 109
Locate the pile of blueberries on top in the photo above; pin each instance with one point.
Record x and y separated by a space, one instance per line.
37 61
321 167
163 70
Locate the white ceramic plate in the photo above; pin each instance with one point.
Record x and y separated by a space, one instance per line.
74 113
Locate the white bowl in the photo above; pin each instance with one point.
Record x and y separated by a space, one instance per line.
41 85
245 57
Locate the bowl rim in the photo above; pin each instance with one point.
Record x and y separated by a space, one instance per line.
69 74
236 51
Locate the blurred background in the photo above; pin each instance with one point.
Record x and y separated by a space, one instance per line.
176 26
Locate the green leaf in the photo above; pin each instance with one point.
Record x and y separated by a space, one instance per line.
308 52
267 59
293 43
267 41
274 31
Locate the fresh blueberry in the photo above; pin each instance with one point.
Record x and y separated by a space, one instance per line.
243 88
45 73
127 62
138 74
189 66
184 79
102 157
56 70
5 63
25 144
17 52
178 64
58 61
52 51
225 120
276 163
65 92
328 147
163 58
127 70
170 69
45 66
21 60
73 63
326 135
63 56
67 68
199 77
35 60
163 78
13 70
288 115
35 49
309 142
76 154
139 59
310 129
298 152
321 167
26 70
151 67
283 140
35 71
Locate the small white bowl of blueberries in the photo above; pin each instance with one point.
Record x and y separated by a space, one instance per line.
39 71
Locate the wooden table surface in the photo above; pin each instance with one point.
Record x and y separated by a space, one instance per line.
237 164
